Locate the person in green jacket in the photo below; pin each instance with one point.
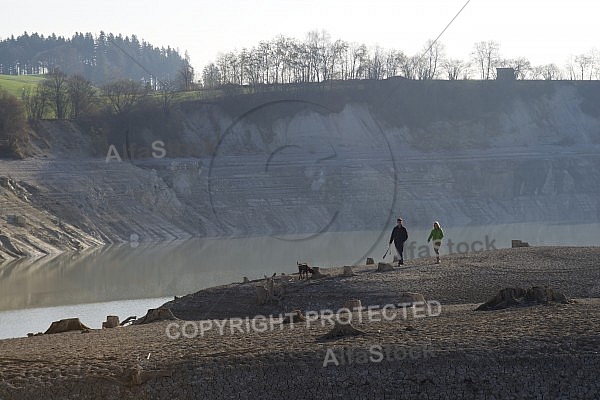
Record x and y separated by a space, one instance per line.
436 235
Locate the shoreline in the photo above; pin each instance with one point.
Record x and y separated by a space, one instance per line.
544 350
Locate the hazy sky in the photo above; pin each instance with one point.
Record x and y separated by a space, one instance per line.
544 31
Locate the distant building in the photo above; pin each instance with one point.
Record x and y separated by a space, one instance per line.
505 74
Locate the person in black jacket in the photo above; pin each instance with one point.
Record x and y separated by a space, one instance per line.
399 236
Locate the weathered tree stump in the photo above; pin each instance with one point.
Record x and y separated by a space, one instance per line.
155 314
384 267
112 321
410 298
348 271
353 305
66 325
341 330
518 297
370 261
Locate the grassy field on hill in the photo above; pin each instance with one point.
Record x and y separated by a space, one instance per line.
14 84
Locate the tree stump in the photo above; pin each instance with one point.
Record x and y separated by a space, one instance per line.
155 314
353 305
518 297
342 330
370 261
348 271
384 267
294 317
66 325
112 321
518 243
410 298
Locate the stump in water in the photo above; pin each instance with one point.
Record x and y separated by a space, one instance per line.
370 261
518 297
66 325
342 329
384 267
155 314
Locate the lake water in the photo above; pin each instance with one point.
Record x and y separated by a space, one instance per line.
127 280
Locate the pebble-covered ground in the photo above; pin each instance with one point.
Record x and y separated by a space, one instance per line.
540 352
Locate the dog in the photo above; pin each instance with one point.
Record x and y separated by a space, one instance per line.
304 270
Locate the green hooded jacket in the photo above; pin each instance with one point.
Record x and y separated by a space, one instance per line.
436 235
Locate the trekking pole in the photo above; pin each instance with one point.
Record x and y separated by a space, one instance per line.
388 249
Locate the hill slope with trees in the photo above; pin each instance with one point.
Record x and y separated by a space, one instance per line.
99 59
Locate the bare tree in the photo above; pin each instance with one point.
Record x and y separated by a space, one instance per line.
167 94
585 65
358 60
278 57
393 62
521 66
36 102
433 54
56 88
211 76
410 67
454 68
186 76
547 72
81 94
12 119
376 64
123 95
486 56
229 65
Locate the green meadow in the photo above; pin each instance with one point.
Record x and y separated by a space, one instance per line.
14 84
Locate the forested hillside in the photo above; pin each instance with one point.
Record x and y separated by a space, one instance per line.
99 59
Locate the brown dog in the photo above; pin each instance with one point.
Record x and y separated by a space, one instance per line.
304 270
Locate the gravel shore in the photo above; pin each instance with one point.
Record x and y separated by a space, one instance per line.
549 351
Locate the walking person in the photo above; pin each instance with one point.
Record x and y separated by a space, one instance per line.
436 235
399 236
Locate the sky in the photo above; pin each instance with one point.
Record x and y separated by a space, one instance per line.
543 31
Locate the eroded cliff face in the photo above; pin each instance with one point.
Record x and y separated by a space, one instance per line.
464 153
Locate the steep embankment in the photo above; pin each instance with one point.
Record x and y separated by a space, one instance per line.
300 163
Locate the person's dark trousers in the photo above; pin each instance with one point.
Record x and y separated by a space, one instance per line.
400 249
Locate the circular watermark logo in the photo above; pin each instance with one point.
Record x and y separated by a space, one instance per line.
295 170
